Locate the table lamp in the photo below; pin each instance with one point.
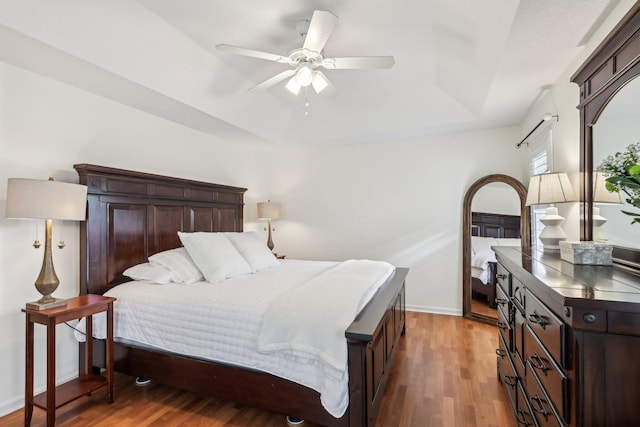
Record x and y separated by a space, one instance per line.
48 200
547 189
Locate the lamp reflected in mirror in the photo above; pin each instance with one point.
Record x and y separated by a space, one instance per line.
269 210
601 196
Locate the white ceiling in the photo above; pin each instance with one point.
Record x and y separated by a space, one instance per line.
459 64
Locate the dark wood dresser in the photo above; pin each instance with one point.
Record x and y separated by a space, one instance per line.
569 341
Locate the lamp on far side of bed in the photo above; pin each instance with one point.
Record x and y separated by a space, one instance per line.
269 210
547 189
601 196
48 200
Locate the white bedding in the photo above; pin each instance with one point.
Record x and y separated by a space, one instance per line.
222 321
482 255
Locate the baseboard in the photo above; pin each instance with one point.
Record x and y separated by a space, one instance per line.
434 310
17 403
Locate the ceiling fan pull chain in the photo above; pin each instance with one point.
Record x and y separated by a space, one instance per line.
306 101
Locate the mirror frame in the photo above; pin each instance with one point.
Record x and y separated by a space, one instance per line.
612 65
525 236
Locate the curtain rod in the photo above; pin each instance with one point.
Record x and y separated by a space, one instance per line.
545 118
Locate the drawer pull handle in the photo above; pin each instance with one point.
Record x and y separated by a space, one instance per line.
500 352
521 417
510 380
540 364
540 320
501 301
502 325
501 276
538 405
590 318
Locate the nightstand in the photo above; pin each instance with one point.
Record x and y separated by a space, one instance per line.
54 397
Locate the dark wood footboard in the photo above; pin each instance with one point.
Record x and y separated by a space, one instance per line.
372 340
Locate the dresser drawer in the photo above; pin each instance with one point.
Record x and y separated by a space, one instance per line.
518 341
504 279
549 329
518 294
541 407
541 366
502 302
504 327
507 373
524 413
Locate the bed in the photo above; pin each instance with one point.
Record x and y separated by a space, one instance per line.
133 215
490 229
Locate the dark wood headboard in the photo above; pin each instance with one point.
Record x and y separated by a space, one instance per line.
132 215
495 225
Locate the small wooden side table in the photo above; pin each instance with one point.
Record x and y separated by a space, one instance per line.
55 397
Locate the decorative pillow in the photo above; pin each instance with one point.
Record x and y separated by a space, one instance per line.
214 255
253 249
179 263
149 273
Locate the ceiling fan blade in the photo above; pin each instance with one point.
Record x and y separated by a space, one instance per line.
358 62
253 53
320 28
274 80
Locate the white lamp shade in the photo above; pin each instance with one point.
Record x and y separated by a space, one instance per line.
319 82
293 86
549 188
268 210
40 199
600 192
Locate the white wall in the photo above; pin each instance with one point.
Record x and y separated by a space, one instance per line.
497 198
398 201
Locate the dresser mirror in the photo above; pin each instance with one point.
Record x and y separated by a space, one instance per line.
491 205
617 127
609 106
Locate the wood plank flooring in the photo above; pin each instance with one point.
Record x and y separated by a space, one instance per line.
443 375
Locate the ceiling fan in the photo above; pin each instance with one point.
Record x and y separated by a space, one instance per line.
305 62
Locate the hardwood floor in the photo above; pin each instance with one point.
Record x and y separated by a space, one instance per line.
482 307
444 374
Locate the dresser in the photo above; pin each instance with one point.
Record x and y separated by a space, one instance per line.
569 340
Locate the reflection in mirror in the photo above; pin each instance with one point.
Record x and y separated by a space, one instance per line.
618 127
493 215
495 220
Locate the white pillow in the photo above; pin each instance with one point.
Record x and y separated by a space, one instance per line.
253 249
149 273
506 241
214 255
179 263
481 245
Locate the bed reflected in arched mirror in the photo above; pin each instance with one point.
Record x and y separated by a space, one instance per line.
493 215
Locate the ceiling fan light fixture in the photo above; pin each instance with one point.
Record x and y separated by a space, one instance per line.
304 75
293 86
319 82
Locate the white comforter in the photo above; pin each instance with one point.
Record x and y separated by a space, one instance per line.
223 321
